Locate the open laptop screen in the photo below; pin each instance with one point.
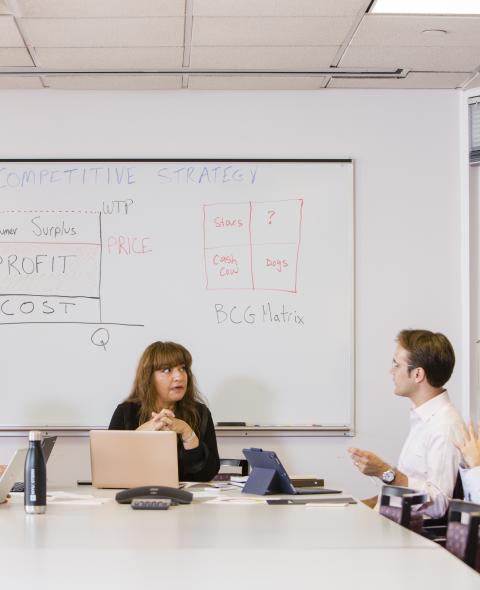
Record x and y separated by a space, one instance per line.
129 458
12 472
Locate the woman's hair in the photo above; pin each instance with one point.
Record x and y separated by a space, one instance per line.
156 357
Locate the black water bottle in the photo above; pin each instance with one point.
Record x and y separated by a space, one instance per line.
35 476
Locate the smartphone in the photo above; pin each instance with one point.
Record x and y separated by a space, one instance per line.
151 503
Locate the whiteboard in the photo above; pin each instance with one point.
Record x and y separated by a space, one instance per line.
249 264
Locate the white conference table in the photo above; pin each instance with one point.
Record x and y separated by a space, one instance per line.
210 546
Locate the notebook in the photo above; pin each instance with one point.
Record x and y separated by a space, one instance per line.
12 473
132 458
47 444
270 476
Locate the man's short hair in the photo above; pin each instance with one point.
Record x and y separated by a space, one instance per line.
430 351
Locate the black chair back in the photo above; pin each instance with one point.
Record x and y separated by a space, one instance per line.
403 514
462 538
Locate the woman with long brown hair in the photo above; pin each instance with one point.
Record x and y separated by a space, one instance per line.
165 397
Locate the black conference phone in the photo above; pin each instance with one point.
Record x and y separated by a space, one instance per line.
150 492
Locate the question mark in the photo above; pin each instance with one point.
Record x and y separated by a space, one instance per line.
271 214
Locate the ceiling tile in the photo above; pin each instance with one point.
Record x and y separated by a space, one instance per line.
270 31
255 83
96 8
9 35
20 82
433 59
11 57
232 34
114 82
262 57
407 31
474 82
277 7
104 32
413 80
78 58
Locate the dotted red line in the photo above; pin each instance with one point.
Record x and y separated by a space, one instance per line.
50 211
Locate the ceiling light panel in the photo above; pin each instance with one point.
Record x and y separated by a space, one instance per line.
270 31
104 32
426 7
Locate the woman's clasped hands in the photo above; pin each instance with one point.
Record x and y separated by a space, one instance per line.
165 420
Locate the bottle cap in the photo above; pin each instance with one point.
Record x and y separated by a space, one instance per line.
34 435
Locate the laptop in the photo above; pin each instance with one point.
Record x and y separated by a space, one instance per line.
47 445
269 476
132 458
12 473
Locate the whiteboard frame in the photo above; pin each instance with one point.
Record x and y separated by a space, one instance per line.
228 431
221 432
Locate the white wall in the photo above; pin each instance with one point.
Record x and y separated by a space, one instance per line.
474 178
470 222
405 146
473 200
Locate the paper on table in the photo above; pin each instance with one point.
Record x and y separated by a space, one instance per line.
68 495
212 486
238 478
235 500
326 505
205 494
188 485
59 497
88 502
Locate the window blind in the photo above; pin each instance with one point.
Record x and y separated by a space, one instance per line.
474 115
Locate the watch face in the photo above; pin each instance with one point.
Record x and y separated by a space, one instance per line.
388 476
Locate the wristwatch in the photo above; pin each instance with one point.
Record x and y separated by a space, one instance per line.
389 475
190 437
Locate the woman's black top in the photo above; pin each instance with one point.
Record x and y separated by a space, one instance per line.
200 464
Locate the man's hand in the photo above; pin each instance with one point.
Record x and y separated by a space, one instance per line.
470 447
367 462
370 502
